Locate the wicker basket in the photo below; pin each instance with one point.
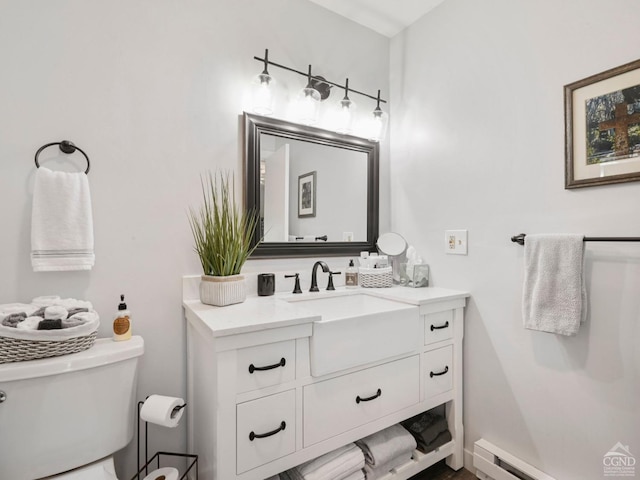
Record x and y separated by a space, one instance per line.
17 345
17 350
375 277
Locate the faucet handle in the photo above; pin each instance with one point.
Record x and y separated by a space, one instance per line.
296 288
330 284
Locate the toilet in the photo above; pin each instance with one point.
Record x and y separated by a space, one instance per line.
64 417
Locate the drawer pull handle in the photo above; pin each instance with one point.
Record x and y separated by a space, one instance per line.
368 399
446 369
446 325
281 363
254 435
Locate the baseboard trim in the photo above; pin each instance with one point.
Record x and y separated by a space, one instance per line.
468 461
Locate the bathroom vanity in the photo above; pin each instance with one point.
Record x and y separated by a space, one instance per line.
276 381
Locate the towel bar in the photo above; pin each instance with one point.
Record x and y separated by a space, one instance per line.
65 147
519 239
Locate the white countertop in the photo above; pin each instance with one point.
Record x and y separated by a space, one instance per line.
280 310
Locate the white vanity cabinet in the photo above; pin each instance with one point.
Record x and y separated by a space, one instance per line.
255 409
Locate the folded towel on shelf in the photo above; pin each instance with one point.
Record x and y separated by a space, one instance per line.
373 473
29 323
426 427
440 440
61 222
387 444
554 293
335 465
359 475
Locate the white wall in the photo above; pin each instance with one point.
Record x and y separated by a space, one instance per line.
152 91
478 143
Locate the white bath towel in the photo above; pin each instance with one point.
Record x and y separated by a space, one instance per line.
336 465
61 222
385 445
554 298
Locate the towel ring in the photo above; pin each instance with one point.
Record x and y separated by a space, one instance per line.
65 147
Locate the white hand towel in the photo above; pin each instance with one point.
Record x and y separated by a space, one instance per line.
61 222
554 298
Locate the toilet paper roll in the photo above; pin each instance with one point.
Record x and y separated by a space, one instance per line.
168 473
158 409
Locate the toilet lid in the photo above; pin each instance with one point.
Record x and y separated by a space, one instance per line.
100 470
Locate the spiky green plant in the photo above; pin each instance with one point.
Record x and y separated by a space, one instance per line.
222 233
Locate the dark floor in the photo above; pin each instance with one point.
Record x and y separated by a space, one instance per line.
440 471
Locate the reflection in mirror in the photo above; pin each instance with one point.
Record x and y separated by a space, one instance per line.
316 191
310 191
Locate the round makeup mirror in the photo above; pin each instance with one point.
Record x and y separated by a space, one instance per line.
392 244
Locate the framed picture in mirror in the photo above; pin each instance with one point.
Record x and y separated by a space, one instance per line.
307 195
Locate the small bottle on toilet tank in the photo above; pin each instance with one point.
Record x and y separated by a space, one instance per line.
122 322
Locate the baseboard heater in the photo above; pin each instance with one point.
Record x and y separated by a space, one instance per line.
493 463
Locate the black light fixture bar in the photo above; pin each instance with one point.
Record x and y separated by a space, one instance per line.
266 61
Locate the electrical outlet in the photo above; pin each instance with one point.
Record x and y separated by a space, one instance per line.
455 242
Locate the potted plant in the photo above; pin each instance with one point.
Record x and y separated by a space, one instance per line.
222 235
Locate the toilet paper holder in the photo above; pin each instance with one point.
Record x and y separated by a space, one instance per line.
191 460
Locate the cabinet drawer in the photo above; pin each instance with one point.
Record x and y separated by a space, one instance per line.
342 403
438 326
438 371
265 365
265 430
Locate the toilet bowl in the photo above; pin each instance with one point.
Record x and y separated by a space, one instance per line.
64 417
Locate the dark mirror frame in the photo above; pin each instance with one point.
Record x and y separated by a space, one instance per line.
254 125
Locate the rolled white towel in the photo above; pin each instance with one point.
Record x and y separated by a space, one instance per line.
77 319
29 323
55 313
45 301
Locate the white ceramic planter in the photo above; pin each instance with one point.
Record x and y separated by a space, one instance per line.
221 291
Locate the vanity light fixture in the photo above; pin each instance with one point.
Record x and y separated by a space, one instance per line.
263 90
307 104
379 120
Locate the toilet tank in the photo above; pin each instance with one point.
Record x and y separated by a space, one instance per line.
63 412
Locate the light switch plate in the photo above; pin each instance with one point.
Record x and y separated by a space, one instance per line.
455 242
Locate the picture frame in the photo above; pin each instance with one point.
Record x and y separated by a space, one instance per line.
307 195
602 128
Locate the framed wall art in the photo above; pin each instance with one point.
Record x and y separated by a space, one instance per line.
307 195
602 128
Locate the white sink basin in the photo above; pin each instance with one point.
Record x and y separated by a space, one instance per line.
357 329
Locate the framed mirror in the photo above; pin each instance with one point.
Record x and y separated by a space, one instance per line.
316 190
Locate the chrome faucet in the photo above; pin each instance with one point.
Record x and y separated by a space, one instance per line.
314 273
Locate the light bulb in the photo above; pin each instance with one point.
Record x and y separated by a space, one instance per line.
308 103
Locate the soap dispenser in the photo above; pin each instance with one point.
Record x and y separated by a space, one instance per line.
122 322
351 276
